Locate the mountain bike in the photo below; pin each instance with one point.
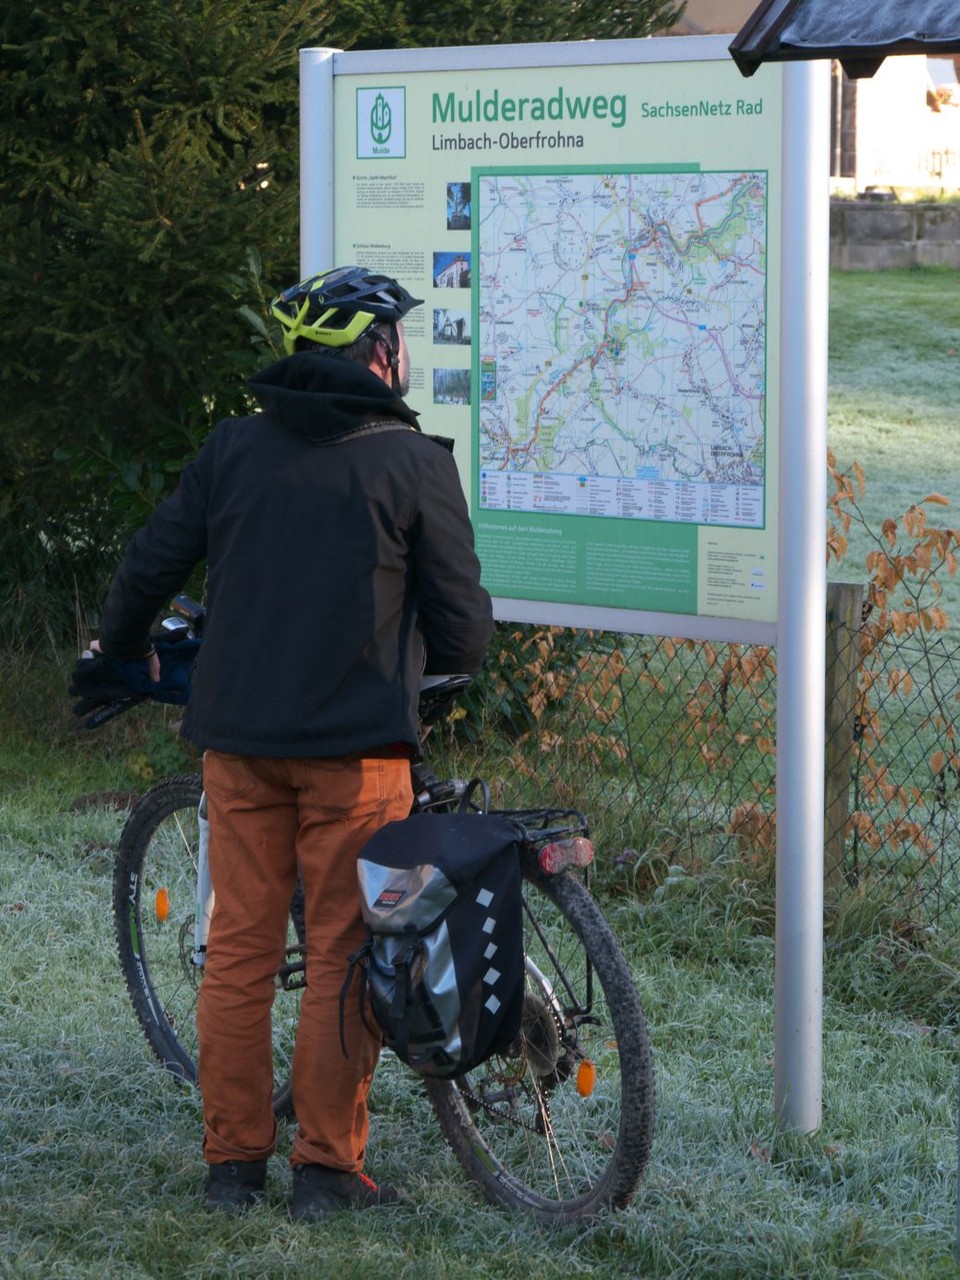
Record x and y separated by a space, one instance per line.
560 1124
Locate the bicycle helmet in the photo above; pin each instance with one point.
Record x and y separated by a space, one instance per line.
337 307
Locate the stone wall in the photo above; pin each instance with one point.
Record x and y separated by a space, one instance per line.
869 235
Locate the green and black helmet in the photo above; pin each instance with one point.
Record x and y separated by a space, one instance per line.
337 307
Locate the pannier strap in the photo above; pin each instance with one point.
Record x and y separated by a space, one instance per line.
403 998
402 995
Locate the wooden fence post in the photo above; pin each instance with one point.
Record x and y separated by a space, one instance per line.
844 605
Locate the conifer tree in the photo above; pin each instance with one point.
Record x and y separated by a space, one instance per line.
148 146
151 154
393 24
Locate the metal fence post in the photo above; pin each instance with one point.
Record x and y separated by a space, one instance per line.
844 606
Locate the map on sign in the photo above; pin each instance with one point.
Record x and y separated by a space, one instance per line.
622 344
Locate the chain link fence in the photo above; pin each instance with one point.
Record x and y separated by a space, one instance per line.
905 778
670 746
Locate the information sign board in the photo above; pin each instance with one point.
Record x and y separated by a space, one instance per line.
597 249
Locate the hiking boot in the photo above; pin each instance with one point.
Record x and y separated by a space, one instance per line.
318 1191
235 1186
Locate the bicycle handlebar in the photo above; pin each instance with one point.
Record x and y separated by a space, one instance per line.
187 620
97 719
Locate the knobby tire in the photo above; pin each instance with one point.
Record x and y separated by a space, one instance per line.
154 905
518 1124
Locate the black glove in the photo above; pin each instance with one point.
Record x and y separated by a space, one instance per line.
100 681
97 683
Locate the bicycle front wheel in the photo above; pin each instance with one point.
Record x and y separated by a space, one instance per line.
154 912
561 1124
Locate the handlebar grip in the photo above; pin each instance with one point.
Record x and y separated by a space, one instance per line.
100 717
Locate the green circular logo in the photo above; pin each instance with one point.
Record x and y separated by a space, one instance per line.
381 125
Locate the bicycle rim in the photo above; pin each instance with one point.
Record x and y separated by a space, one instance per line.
155 889
561 1125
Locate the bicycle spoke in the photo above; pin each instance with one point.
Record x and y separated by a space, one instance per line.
155 897
528 1126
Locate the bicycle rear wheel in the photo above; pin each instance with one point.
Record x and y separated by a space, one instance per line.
561 1124
154 910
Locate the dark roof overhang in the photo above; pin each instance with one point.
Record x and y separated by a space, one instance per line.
859 33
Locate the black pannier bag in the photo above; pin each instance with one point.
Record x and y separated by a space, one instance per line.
442 970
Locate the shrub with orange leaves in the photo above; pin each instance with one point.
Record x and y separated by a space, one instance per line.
910 556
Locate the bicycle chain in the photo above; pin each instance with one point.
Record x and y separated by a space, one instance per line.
542 1126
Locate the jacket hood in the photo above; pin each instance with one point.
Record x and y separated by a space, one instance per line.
325 398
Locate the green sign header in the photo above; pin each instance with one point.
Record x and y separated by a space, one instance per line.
492 107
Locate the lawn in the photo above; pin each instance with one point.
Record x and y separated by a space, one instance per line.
100 1168
893 398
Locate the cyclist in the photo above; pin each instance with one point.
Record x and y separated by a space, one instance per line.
340 564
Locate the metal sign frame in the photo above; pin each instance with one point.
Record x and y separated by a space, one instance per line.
799 630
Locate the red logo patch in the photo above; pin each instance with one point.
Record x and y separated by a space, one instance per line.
390 897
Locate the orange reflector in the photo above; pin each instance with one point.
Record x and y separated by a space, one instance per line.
162 905
575 852
586 1078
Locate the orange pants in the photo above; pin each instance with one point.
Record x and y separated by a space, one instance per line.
267 818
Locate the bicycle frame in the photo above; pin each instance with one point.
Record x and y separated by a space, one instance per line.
429 792
204 908
560 1123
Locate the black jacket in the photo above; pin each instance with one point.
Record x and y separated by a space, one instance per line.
338 550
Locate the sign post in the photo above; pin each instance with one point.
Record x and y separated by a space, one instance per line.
801 635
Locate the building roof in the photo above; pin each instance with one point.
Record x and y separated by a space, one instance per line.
860 33
711 17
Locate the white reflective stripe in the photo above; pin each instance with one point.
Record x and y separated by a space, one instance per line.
491 976
491 951
484 897
493 1004
489 924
